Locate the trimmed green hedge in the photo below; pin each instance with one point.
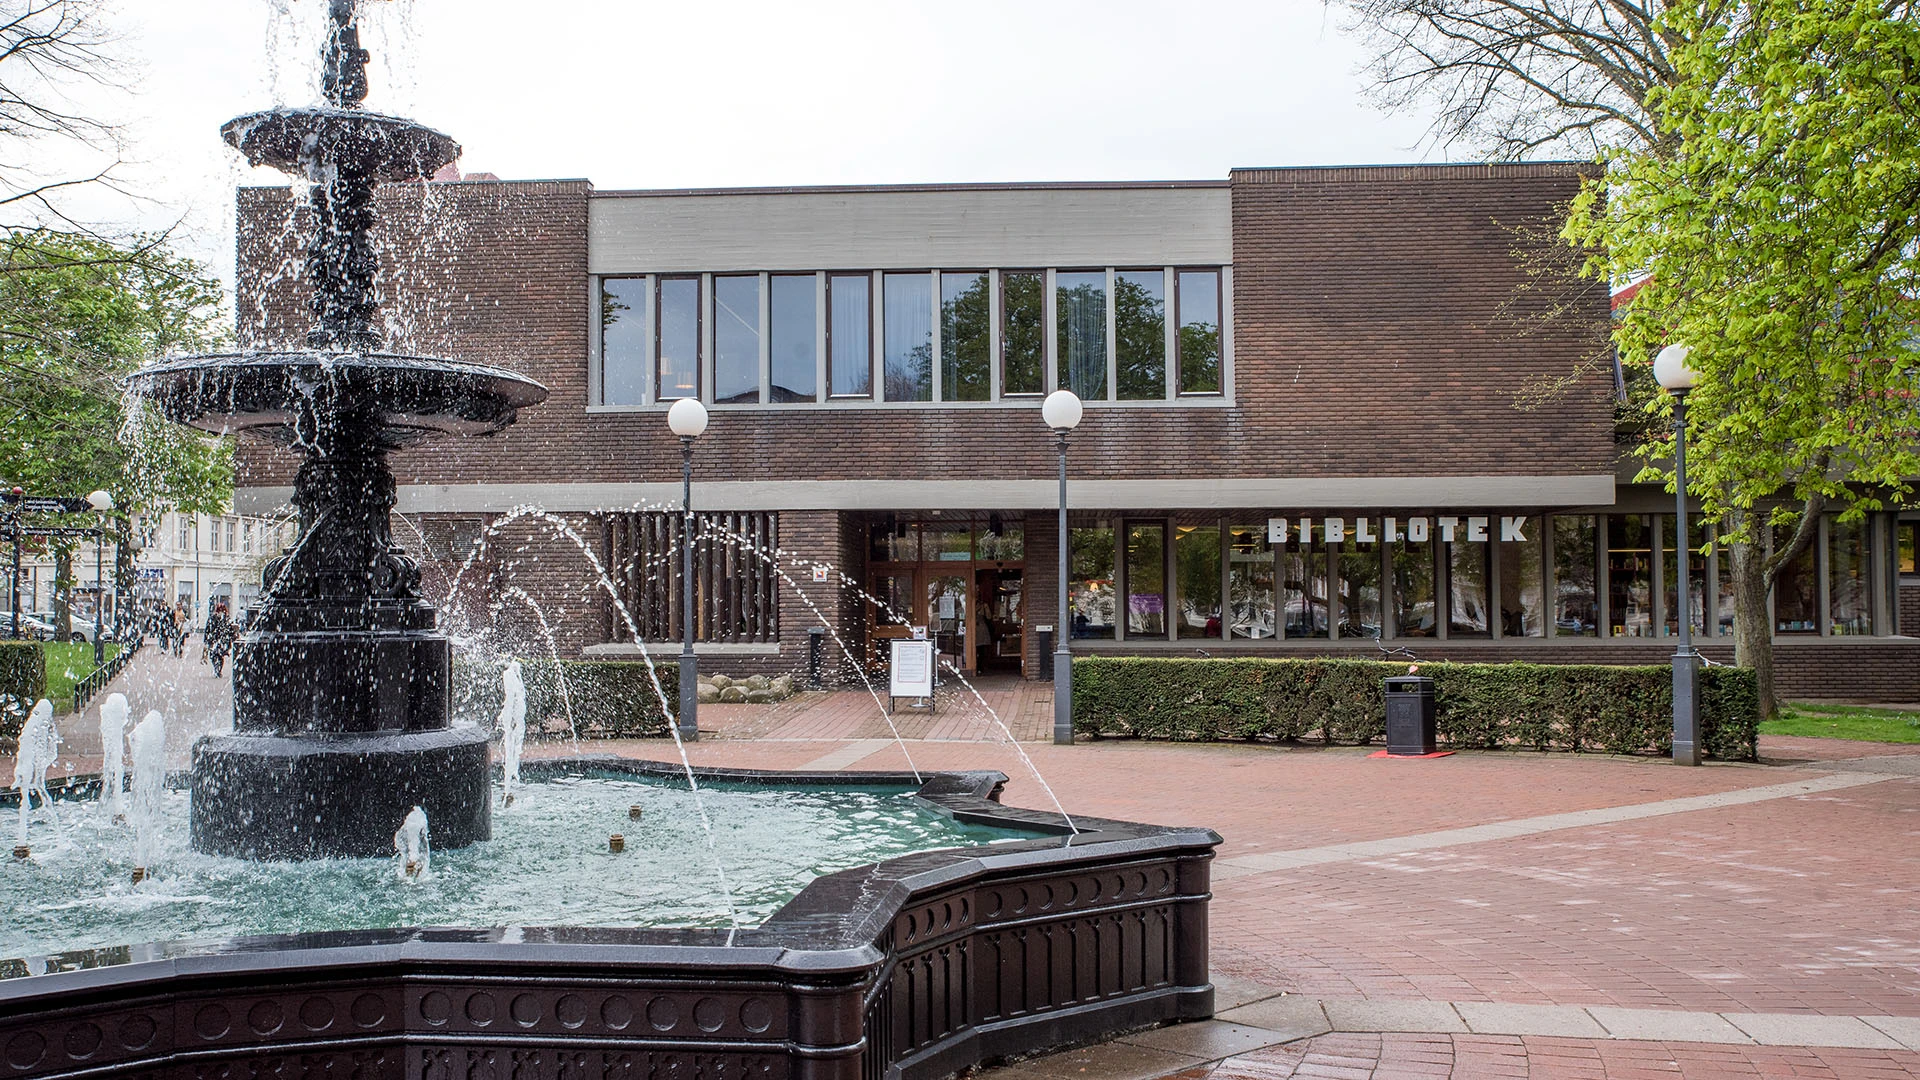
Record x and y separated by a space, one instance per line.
23 681
607 699
1621 710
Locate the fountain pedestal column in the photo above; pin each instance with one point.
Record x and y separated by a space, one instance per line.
340 694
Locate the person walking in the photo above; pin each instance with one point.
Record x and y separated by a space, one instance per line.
181 622
219 636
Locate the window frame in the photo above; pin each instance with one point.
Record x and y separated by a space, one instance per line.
865 277
658 384
762 353
1175 360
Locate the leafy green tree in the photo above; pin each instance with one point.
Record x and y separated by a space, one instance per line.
77 315
1777 224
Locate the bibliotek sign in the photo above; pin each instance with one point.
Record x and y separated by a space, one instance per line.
1417 530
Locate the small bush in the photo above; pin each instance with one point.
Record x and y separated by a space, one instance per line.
23 681
1622 710
606 699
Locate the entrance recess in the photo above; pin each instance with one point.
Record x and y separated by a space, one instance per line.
959 577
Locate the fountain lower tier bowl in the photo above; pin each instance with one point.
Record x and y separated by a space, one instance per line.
910 968
307 141
318 797
315 400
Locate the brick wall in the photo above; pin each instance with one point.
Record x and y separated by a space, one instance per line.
1382 326
1909 609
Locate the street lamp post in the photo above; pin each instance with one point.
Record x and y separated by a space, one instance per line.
688 419
101 501
1671 370
1061 411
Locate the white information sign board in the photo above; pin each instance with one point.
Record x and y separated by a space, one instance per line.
912 675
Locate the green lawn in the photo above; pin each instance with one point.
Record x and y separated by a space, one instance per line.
67 664
1845 722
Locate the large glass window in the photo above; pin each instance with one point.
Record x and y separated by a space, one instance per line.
1359 590
736 338
1523 594
1140 324
1796 591
1023 344
946 543
965 338
1467 613
1414 614
1906 535
1146 580
1000 542
1629 575
1199 341
849 336
679 342
894 541
907 329
1196 559
1080 302
1250 582
1576 604
623 341
1724 602
794 337
1302 567
1849 603
1090 586
1696 576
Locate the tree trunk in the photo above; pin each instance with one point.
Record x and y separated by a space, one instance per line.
62 592
1752 628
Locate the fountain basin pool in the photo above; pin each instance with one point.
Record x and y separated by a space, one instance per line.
909 968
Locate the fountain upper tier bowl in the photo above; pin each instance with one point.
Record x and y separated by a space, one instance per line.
300 399
385 148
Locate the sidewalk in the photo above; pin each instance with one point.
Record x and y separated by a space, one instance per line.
1504 914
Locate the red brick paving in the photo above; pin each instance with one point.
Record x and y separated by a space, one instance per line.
1472 1057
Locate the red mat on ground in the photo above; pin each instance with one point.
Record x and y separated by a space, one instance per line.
1410 757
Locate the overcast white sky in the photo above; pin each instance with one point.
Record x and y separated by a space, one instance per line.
640 94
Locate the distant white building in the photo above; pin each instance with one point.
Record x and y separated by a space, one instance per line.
191 557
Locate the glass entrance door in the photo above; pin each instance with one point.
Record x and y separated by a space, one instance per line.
947 606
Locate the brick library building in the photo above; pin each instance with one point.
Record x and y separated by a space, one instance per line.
1327 411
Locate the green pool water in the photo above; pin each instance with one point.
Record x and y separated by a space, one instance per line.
548 864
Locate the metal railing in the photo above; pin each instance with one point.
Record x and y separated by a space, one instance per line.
85 689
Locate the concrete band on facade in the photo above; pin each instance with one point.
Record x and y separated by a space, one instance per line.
1382 336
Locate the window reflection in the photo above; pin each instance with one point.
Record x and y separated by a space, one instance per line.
794 337
736 338
1147 580
1199 340
1630 575
1302 568
1849 611
849 335
1696 576
1413 610
623 349
1090 593
679 344
1250 582
964 338
1140 330
1196 557
1796 591
1080 302
1022 321
1359 590
907 326
1522 584
1576 605
1467 615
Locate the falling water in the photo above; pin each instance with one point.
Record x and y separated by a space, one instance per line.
149 787
410 843
113 742
39 748
513 729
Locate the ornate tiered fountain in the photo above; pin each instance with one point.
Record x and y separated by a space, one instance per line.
340 679
912 968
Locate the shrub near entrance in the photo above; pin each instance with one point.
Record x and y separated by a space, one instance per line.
1621 710
23 681
607 699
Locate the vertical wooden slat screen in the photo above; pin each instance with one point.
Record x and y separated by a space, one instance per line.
736 588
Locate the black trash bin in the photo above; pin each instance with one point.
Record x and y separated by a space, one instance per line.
1410 729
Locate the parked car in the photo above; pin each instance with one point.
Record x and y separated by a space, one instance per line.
82 628
31 626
